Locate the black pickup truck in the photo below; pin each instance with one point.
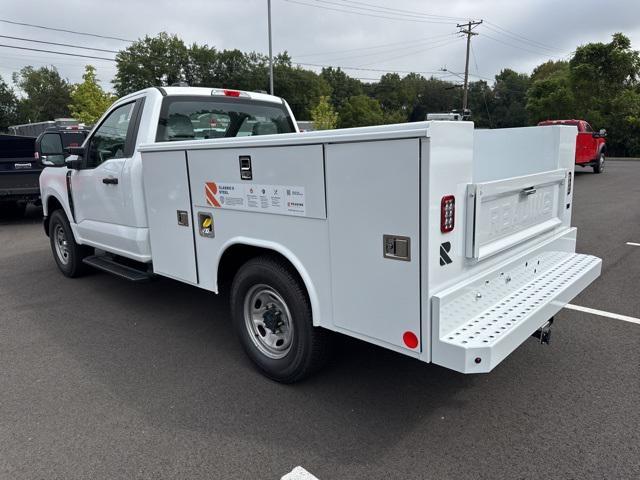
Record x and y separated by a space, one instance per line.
19 172
20 169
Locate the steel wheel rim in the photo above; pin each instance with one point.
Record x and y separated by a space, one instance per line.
601 162
268 321
61 244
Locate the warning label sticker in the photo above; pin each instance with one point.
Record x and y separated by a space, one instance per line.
283 199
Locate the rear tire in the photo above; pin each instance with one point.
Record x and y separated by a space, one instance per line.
599 167
272 317
66 252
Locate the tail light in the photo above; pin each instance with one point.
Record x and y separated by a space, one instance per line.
447 213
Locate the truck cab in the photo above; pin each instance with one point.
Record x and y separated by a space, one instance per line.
590 145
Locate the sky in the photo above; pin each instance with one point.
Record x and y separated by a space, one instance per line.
365 37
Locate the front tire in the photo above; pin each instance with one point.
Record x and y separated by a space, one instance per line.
66 252
272 317
599 167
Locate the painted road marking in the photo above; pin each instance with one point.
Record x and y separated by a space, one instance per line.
299 473
633 244
602 313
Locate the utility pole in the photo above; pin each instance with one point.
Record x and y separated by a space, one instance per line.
467 28
271 51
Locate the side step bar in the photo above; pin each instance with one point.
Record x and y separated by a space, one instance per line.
109 265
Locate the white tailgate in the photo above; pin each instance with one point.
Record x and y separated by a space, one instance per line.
503 213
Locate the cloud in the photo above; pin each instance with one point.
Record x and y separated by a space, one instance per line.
517 35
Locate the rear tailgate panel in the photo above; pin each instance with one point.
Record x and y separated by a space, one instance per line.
504 213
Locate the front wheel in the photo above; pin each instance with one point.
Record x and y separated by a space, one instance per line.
272 317
599 166
66 252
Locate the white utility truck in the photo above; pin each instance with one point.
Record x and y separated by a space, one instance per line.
434 240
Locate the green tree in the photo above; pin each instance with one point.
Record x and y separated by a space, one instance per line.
323 115
510 99
88 100
548 69
551 97
435 96
8 106
342 86
46 95
152 61
360 111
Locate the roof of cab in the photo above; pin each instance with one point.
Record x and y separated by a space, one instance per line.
206 91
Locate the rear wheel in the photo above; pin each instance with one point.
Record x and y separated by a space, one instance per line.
599 166
272 317
66 252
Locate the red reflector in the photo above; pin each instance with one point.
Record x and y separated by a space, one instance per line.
410 339
231 93
447 213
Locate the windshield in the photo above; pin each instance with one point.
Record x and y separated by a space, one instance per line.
199 118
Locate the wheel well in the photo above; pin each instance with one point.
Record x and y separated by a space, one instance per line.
236 255
52 205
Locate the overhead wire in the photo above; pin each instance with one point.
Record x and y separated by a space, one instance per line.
325 7
75 32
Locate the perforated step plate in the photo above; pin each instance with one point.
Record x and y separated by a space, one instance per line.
479 324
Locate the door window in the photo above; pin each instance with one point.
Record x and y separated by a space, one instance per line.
111 137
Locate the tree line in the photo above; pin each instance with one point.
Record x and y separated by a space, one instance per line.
599 83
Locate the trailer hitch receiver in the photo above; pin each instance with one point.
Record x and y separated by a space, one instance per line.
543 334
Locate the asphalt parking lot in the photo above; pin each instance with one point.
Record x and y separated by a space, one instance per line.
100 378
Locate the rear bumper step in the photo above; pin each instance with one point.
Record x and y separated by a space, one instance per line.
477 325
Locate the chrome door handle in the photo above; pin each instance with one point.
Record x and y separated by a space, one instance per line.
528 191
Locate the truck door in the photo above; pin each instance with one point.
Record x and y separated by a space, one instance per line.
98 196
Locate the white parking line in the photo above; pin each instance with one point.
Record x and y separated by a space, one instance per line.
299 473
602 313
633 244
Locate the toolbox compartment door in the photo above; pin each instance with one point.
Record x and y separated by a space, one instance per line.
504 213
168 200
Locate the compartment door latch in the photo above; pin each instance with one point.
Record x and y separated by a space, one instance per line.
396 247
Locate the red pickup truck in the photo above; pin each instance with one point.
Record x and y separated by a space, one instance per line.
590 145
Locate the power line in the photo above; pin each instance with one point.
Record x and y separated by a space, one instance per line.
367 14
524 42
413 52
366 69
66 31
518 47
405 11
484 94
58 44
548 47
376 10
57 53
392 50
416 40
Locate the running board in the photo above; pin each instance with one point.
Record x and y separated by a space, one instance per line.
109 265
478 324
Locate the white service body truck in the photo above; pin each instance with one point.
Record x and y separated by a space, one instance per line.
444 243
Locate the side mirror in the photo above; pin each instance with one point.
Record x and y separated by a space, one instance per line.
49 149
75 161
601 134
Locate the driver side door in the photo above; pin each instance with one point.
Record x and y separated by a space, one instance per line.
97 188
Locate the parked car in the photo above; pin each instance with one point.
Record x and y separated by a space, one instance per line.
590 145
